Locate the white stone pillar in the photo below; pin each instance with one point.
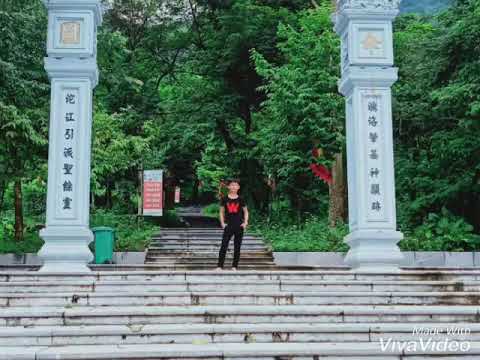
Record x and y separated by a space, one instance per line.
72 69
365 28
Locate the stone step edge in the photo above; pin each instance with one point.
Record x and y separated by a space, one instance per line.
195 281
207 247
203 237
213 256
222 310
200 237
320 271
194 257
162 259
167 329
203 263
323 294
220 350
6 270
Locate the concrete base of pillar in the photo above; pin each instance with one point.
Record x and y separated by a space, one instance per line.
66 249
374 250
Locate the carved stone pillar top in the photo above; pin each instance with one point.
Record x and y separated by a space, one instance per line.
368 4
93 5
364 10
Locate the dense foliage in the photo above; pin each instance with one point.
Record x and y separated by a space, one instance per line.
207 89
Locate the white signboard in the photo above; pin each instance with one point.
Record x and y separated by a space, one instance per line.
153 192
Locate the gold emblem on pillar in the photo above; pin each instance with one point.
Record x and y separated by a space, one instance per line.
70 33
371 42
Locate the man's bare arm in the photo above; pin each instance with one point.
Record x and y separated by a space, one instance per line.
222 216
245 214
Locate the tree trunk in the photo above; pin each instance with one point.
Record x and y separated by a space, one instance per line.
337 209
108 195
18 211
92 201
3 186
196 184
140 192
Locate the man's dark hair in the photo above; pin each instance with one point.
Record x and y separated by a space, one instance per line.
232 180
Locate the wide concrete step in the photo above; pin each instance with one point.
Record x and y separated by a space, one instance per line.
238 285
202 259
210 254
229 333
211 263
208 265
451 276
202 243
263 250
208 261
211 266
201 237
152 298
205 240
191 230
227 351
225 314
210 248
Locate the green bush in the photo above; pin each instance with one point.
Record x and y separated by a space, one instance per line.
170 219
441 232
31 242
313 235
211 210
132 232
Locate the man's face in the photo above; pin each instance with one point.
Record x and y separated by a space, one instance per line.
233 187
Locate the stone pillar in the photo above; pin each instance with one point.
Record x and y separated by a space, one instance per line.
365 29
72 69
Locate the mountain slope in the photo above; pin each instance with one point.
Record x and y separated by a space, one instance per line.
424 6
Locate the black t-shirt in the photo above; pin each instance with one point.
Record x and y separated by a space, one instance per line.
233 210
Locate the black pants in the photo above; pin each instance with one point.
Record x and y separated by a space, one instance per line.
228 232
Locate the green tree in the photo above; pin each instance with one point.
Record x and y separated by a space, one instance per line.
436 114
303 108
23 97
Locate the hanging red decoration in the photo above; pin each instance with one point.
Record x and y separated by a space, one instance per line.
320 170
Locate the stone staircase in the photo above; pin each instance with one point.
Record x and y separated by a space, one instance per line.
197 248
275 315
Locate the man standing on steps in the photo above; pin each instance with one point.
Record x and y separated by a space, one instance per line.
234 220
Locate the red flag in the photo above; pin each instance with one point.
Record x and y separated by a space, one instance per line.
322 172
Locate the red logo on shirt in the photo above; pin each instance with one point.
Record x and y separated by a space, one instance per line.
233 207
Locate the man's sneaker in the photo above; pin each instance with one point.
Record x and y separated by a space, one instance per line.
218 269
234 268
